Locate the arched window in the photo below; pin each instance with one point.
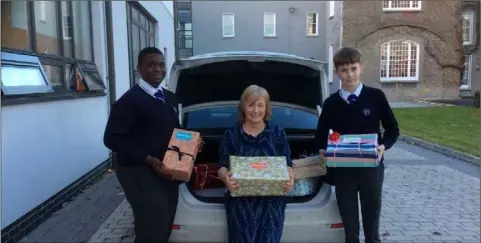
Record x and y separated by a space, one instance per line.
399 60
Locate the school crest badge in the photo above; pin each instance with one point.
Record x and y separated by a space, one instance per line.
366 111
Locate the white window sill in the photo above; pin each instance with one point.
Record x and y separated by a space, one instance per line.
313 35
399 80
402 10
465 88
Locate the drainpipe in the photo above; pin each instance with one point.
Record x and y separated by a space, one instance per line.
110 66
176 32
110 51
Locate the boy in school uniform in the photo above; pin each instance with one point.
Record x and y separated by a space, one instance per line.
357 109
138 130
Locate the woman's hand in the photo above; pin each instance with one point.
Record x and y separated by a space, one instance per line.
226 177
230 183
288 186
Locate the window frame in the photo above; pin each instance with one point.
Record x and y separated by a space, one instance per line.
470 18
224 35
65 27
62 91
468 79
317 23
391 9
388 62
274 24
151 22
18 60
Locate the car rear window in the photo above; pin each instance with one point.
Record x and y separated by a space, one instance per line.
224 117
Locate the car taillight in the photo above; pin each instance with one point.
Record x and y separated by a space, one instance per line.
336 226
176 227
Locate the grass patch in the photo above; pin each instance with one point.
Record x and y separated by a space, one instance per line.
454 127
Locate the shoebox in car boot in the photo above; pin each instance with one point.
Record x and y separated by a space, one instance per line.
180 155
205 177
308 167
304 187
259 176
358 150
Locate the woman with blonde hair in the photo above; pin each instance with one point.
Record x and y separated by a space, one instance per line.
254 219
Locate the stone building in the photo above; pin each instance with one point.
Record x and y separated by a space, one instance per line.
411 49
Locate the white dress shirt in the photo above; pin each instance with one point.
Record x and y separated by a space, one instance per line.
149 88
345 94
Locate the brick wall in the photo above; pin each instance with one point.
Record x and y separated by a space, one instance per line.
437 28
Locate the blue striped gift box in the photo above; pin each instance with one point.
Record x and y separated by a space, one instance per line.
353 151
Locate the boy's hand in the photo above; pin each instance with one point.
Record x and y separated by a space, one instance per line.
322 155
201 145
380 150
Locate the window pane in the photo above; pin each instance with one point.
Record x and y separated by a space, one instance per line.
46 27
134 13
93 80
15 76
143 21
188 43
226 116
83 36
54 75
151 27
269 19
228 30
465 80
66 29
269 30
69 76
135 43
15 31
312 23
143 40
152 40
466 27
228 24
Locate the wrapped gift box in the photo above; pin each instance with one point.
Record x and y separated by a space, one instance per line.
180 155
259 176
352 151
205 177
304 187
308 167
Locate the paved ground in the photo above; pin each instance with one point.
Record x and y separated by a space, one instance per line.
81 218
466 101
427 197
409 104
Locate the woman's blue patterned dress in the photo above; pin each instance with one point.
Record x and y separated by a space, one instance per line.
254 219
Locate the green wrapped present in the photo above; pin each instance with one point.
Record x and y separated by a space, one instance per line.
259 176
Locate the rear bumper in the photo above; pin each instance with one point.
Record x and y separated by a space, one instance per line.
307 222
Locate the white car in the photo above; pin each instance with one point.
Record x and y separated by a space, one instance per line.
209 88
